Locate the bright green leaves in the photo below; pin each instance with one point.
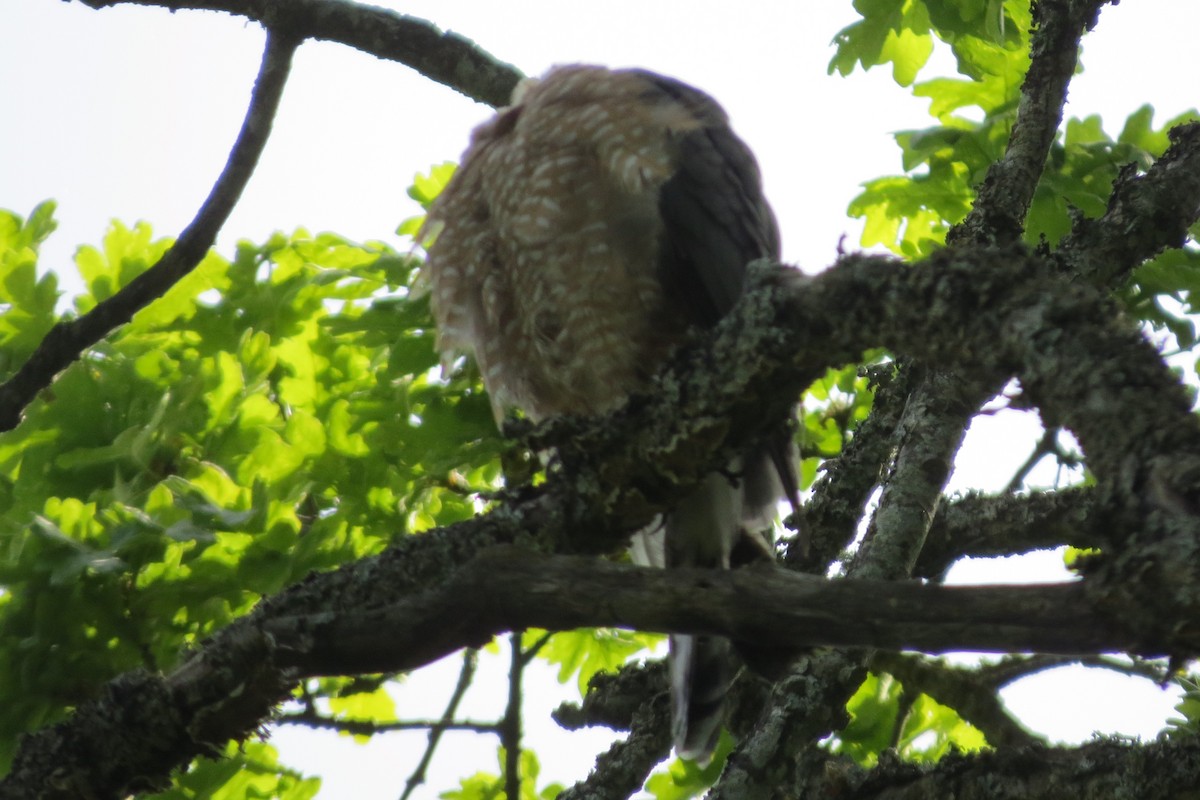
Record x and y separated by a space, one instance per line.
902 33
685 779
1084 164
910 214
490 786
272 415
126 253
249 770
27 302
890 32
883 716
833 407
424 189
1188 723
584 652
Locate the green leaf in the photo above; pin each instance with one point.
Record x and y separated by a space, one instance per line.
427 186
584 652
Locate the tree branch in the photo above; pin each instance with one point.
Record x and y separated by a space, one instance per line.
998 215
984 526
1161 770
67 340
465 675
447 58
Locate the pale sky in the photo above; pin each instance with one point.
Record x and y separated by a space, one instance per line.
129 113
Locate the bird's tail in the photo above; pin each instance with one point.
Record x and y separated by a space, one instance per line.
720 514
701 671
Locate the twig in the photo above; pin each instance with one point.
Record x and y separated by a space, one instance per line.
1014 668
510 725
531 652
67 340
310 718
1047 446
465 676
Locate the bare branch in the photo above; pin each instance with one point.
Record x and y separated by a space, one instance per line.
361 727
1047 446
67 340
510 724
509 587
447 58
465 675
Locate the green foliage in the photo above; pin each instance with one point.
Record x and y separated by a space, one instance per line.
584 652
252 770
882 716
1188 724
685 779
490 786
26 300
910 214
833 407
269 416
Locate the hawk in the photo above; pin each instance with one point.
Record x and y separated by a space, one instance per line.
589 227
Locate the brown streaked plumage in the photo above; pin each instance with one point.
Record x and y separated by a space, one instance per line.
588 227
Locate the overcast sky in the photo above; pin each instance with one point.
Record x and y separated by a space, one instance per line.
129 113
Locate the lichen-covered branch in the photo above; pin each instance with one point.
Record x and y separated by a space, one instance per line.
998 215
983 526
1165 769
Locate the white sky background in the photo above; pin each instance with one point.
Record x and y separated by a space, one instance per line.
129 113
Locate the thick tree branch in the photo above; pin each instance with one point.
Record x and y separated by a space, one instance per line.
935 420
983 526
447 58
67 340
1166 769
506 588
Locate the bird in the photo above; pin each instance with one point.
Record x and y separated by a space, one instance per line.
590 227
